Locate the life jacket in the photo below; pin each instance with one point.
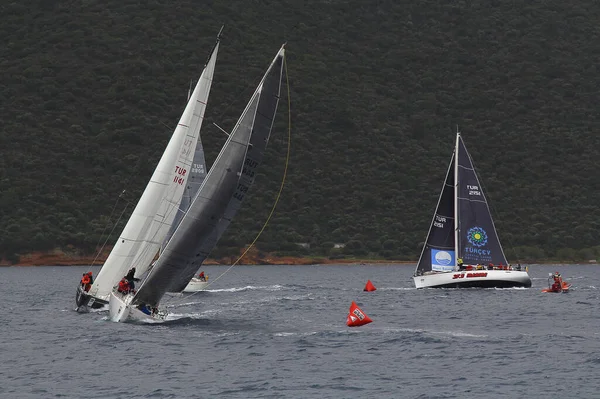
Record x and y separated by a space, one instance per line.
85 279
123 286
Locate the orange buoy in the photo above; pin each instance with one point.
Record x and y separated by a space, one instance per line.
369 286
357 317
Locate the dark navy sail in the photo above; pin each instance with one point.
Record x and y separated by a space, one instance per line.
478 241
438 252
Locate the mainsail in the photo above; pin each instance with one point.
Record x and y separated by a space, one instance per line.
477 240
195 179
220 195
156 210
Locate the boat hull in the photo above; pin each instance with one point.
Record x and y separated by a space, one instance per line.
196 285
474 279
121 311
85 301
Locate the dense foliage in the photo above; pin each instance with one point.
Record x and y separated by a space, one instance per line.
90 92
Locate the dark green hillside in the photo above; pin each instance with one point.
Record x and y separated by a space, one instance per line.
90 92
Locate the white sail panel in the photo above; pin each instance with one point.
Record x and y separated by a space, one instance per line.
156 209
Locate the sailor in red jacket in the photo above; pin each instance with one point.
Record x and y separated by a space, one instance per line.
123 286
87 281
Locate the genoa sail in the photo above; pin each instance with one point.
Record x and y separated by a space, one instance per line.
478 241
157 208
438 252
220 194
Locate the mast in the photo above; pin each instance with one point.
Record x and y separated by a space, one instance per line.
456 254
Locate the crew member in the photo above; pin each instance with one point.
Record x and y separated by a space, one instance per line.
87 281
123 286
201 276
131 279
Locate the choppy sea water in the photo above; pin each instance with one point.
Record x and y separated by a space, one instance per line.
279 332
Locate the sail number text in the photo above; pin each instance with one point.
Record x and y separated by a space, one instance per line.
439 221
240 191
179 175
249 166
473 190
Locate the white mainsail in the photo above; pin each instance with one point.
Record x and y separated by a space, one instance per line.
154 214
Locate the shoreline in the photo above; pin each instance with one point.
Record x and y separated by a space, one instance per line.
60 258
253 257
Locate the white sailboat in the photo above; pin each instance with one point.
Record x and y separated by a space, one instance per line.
195 285
156 210
211 211
462 247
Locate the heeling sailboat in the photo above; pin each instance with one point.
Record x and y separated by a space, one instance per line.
211 211
156 209
462 228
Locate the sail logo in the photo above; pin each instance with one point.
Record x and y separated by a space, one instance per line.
477 236
442 260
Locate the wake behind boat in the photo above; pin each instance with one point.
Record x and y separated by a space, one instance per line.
462 247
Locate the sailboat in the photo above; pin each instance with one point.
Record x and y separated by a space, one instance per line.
462 247
211 211
157 209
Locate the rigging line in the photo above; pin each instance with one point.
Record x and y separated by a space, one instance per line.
106 226
285 169
109 234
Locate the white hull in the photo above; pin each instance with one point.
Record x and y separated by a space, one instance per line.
121 311
196 285
474 278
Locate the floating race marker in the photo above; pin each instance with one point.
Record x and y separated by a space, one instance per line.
369 286
357 317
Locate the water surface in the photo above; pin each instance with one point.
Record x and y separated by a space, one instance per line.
279 332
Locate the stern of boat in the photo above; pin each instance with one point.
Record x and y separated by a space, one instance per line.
196 285
121 311
118 307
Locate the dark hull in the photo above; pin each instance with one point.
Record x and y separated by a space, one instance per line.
85 301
